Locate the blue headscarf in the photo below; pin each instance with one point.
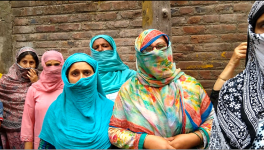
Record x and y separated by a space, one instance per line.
79 117
112 70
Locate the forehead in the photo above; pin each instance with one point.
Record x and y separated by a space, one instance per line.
53 61
80 66
100 41
28 57
261 18
160 40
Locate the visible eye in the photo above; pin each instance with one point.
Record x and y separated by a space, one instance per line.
158 47
75 73
24 62
31 62
105 45
87 73
96 47
56 64
48 65
148 49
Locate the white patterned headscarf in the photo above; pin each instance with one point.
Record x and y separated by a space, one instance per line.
256 41
240 107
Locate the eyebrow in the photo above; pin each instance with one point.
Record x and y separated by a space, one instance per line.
81 70
260 22
162 42
87 70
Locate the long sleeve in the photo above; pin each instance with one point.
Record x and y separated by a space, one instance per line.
28 120
207 116
120 136
126 139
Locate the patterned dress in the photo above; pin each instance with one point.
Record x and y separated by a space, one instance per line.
238 123
159 100
163 115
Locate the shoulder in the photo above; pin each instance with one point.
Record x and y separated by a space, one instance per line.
32 90
128 83
189 81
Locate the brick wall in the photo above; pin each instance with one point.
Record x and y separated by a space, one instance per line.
68 26
204 32
204 35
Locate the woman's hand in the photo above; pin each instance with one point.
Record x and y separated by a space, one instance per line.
32 75
239 53
156 142
184 141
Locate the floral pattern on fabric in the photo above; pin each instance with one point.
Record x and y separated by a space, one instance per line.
240 105
180 107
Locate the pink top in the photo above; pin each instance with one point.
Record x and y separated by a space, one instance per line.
39 97
36 106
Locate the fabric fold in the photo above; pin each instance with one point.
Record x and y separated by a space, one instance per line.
113 72
50 77
240 105
79 117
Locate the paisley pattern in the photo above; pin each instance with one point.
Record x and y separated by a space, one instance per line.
240 105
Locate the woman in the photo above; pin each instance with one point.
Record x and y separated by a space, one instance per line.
39 97
113 72
79 117
239 53
239 119
160 107
13 90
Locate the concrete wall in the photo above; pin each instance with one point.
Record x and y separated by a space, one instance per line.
6 42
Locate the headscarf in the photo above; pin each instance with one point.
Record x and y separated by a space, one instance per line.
155 68
79 117
50 78
113 72
155 101
13 90
240 105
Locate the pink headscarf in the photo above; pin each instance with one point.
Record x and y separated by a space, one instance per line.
50 78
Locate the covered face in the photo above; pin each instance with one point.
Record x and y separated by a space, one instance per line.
52 60
113 72
27 58
255 51
155 66
101 44
79 70
79 117
50 77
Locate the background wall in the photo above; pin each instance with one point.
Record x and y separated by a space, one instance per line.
204 33
6 48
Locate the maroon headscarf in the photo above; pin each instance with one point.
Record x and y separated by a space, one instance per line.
13 90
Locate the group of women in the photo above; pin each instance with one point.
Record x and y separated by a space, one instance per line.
97 102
